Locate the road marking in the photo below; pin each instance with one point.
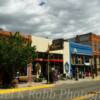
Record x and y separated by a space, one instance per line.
84 97
8 91
91 94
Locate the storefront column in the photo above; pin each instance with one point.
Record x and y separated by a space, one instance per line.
91 65
66 59
95 65
29 73
99 63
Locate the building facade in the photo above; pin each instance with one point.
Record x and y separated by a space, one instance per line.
46 57
64 60
81 59
71 56
92 40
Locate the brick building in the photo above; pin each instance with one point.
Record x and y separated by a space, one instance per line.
4 34
94 41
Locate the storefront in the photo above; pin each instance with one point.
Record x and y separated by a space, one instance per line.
93 40
44 60
80 59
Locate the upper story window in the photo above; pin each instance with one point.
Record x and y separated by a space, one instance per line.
95 46
84 38
99 46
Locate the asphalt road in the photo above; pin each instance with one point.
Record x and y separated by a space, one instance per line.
78 91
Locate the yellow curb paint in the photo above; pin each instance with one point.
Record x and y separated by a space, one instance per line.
97 79
7 91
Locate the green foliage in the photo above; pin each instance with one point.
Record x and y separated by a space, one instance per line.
38 80
15 52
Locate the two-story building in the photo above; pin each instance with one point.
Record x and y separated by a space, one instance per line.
92 40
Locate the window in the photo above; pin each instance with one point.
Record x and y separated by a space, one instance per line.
99 46
95 46
84 38
87 59
73 59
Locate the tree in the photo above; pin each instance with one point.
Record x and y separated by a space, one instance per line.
15 52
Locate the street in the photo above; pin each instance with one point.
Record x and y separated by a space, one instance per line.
78 91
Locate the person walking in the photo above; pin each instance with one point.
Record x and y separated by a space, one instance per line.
76 73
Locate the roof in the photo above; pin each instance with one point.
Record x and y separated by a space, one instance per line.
8 33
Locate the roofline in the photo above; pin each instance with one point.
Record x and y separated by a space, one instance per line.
7 33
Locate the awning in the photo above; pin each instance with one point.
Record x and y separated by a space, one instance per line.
50 60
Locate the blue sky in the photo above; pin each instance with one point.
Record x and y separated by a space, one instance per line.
54 19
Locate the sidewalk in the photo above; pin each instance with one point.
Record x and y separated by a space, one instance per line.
60 82
42 85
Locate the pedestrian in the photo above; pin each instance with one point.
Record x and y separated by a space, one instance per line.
76 73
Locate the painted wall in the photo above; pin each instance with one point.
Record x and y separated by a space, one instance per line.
41 43
66 57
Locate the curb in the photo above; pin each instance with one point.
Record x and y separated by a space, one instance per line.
15 90
22 89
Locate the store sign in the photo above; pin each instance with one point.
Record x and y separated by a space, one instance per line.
57 44
75 50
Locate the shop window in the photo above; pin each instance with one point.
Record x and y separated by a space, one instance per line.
73 59
52 56
76 59
44 55
80 60
87 59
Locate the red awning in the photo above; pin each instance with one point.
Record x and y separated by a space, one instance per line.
46 60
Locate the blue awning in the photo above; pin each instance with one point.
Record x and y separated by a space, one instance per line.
76 48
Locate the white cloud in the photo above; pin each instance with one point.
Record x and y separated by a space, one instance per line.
56 18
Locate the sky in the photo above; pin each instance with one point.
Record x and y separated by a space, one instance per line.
52 19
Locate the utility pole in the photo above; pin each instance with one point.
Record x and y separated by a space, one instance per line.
48 51
48 69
